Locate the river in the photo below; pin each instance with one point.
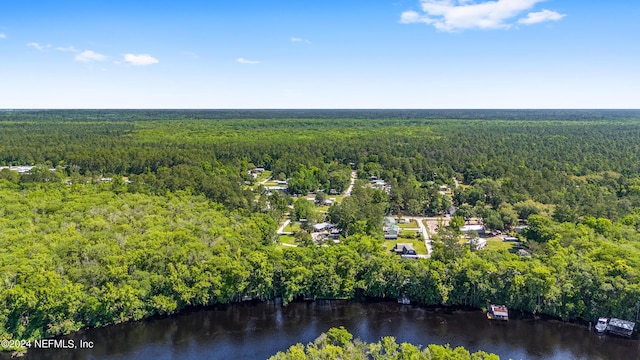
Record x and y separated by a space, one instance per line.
257 331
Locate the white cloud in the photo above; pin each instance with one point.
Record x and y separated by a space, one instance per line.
37 46
3 36
67 49
410 17
245 61
541 16
456 15
88 56
140 60
300 40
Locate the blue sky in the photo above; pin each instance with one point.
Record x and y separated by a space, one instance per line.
320 54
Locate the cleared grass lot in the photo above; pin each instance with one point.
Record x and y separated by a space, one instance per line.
417 244
493 243
287 239
410 225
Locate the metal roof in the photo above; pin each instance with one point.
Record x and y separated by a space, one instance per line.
623 324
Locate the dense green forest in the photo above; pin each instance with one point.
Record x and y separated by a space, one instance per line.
337 343
130 214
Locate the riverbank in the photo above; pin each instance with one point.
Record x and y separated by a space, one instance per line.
362 301
258 330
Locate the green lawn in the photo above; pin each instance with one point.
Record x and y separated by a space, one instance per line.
292 227
265 175
494 243
339 198
411 224
287 239
417 244
409 235
271 183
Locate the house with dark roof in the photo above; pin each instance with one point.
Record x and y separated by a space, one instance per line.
404 249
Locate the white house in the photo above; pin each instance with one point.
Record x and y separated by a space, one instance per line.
477 243
469 228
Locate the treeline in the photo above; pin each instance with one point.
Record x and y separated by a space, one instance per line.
181 222
338 343
83 256
590 167
151 114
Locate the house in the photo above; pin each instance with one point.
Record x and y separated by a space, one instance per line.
390 229
276 188
388 221
258 170
404 249
391 233
323 226
511 239
378 183
524 253
520 229
477 243
470 228
21 169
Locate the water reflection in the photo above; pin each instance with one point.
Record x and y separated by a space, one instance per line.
256 331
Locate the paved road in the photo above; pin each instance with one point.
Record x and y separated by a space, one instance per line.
430 228
265 180
284 225
353 181
425 235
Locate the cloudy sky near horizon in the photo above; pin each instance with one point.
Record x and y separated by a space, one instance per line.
320 54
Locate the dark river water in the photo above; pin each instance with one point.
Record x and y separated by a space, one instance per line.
257 331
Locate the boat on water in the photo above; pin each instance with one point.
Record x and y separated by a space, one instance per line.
497 312
601 325
404 300
620 327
